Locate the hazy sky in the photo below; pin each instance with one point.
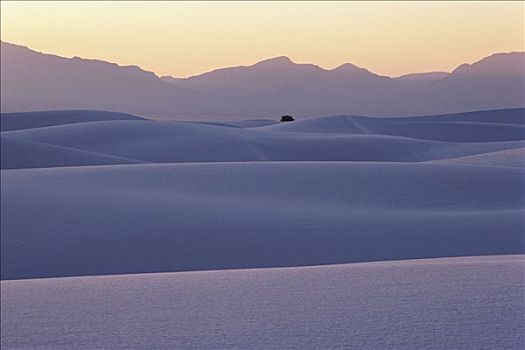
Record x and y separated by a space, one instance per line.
188 38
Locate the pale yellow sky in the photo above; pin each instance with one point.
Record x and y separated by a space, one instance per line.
188 38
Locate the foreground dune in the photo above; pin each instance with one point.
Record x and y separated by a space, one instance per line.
473 303
86 194
175 217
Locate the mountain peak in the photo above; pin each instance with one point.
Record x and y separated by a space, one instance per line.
349 68
279 60
502 64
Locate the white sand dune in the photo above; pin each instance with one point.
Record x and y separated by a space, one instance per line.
175 217
473 303
248 123
511 157
322 139
505 116
27 120
108 196
16 154
429 128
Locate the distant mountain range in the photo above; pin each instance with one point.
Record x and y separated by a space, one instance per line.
36 81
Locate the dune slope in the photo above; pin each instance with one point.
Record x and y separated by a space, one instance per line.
473 303
340 138
151 218
18 154
27 120
125 196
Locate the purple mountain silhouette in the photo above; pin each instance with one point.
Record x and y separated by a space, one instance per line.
36 81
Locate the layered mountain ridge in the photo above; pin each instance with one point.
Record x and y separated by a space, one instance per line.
276 86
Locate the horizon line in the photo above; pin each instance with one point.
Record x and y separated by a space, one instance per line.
258 62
